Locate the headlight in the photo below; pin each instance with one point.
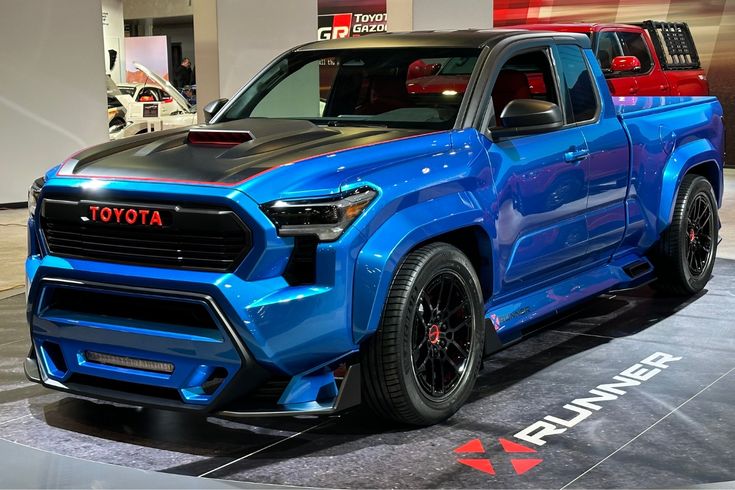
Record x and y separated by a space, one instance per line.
33 192
326 218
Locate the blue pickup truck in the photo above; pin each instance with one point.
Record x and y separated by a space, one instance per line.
335 234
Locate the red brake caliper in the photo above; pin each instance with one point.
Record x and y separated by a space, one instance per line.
434 334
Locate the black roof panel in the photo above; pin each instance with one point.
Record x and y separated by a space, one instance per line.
417 39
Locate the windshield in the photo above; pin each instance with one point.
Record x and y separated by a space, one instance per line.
458 66
359 87
127 90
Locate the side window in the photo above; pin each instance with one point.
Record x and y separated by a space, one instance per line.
578 82
634 45
147 94
525 76
608 47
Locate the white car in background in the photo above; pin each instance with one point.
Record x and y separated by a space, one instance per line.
153 106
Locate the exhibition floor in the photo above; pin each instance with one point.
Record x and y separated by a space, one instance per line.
674 430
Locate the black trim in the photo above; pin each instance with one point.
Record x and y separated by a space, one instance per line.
492 340
301 268
348 396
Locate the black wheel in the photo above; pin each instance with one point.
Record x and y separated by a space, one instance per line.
686 253
421 365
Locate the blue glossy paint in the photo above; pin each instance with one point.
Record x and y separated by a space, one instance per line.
550 233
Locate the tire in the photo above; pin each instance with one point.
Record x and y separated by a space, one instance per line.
425 329
686 252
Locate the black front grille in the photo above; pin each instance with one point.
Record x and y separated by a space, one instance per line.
117 307
194 238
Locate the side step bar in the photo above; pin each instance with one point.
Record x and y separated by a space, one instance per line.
638 268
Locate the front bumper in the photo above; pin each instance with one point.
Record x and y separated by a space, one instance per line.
266 347
93 351
348 396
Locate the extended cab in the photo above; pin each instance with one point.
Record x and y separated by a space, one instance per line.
332 235
650 58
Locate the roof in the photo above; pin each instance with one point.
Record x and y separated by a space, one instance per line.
417 39
573 26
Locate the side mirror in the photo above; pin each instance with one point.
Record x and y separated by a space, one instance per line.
213 108
625 64
528 116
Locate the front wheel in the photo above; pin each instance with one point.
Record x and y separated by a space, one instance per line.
420 366
686 253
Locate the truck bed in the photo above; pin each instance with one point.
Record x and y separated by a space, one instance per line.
665 132
629 107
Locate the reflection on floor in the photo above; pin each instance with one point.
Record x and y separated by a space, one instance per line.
675 429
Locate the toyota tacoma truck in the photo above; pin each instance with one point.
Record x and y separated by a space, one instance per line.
647 58
299 255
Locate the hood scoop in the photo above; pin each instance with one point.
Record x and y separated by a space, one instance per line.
221 138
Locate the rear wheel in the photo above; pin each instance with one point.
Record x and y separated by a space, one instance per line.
421 365
686 254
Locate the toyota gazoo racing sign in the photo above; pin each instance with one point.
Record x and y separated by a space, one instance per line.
352 24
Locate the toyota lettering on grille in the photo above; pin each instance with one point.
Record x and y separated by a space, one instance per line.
130 216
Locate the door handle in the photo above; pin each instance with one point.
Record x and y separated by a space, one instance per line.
576 155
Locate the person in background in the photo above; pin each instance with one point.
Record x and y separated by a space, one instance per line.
182 74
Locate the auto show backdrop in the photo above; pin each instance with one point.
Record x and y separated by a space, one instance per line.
52 87
712 23
350 18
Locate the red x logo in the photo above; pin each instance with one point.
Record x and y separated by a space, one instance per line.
485 465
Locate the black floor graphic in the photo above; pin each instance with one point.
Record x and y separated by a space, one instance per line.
672 428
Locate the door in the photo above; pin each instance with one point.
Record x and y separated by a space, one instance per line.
608 152
541 181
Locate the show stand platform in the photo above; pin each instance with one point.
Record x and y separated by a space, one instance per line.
674 429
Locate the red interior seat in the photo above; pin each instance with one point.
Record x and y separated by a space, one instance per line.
387 93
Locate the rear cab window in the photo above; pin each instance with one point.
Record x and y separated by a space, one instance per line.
582 101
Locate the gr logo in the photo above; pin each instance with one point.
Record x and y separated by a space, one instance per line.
340 27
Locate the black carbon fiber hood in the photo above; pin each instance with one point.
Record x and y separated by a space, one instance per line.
166 155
